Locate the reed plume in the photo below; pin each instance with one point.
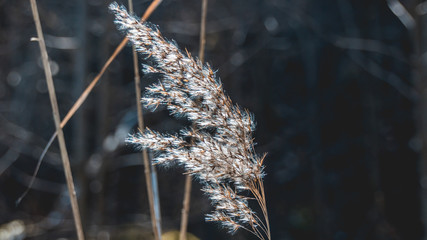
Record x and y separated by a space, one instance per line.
218 149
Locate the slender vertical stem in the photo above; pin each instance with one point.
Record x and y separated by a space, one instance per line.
147 163
202 42
185 208
55 110
187 191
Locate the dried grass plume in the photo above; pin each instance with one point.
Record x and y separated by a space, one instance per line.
218 149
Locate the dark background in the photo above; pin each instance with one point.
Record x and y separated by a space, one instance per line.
336 86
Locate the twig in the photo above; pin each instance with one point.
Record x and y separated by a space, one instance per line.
187 191
119 48
88 90
147 164
202 42
185 208
55 110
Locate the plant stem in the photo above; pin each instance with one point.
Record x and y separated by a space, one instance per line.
147 163
55 111
187 191
185 208
202 42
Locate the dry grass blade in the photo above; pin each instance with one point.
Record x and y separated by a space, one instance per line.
185 208
86 93
155 216
55 110
188 183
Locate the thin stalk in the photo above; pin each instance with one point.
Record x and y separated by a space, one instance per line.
185 208
147 164
260 195
187 191
202 42
264 204
257 190
86 92
57 119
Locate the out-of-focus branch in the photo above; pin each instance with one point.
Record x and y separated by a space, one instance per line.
369 45
387 76
420 79
400 11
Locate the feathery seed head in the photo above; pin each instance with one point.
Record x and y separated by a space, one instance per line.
221 149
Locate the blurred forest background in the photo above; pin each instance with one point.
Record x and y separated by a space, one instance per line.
337 88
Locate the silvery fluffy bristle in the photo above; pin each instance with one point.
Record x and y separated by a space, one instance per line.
221 151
